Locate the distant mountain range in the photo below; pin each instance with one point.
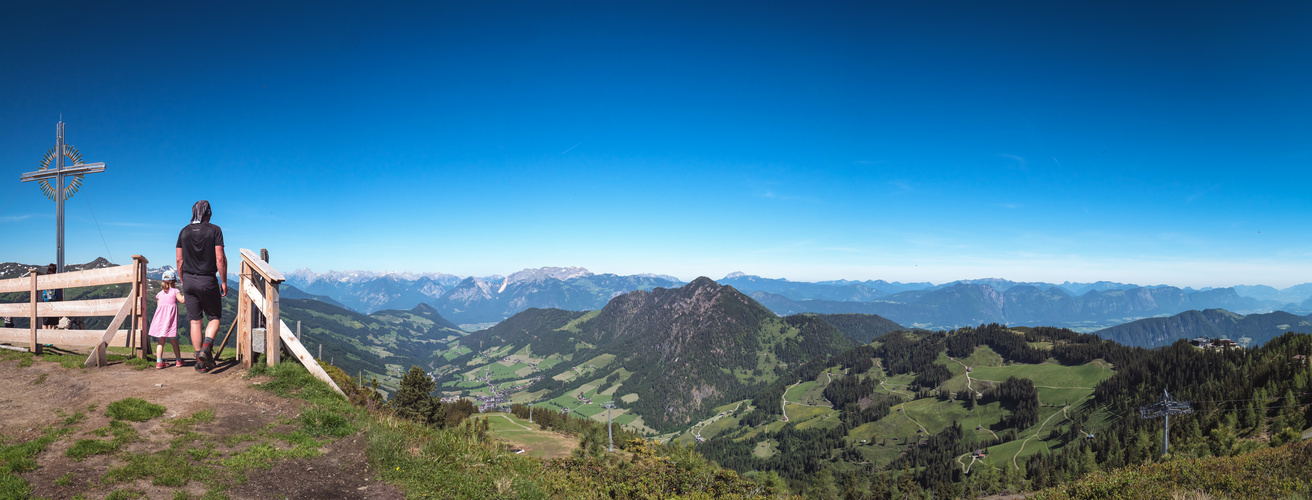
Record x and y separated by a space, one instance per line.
967 304
479 302
1249 330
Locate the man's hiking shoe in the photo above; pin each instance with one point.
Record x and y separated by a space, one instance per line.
204 362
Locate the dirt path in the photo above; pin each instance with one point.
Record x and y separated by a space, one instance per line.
783 407
511 420
1027 440
905 414
968 387
35 396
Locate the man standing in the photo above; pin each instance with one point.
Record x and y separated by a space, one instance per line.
200 256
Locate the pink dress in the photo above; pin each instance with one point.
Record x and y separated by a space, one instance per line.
165 322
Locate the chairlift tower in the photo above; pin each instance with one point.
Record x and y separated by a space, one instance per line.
1165 408
610 405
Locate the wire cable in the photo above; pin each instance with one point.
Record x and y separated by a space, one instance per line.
102 232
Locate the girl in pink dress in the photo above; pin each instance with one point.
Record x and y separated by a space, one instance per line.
164 326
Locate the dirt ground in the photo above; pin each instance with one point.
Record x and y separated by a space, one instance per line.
29 403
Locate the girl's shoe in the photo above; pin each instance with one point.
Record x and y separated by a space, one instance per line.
160 365
179 364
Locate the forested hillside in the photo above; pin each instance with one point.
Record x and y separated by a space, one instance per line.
990 409
1250 330
665 357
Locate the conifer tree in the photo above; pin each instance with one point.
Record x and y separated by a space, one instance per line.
414 398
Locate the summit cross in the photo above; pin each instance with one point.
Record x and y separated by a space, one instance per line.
60 191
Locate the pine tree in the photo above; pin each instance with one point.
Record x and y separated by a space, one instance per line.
822 486
1222 440
413 397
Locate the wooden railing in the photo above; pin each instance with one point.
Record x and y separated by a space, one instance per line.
277 334
132 308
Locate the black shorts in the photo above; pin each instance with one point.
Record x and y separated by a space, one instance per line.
202 293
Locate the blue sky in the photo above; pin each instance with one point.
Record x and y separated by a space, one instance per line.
1143 142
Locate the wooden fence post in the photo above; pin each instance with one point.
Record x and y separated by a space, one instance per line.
141 297
244 351
36 347
273 342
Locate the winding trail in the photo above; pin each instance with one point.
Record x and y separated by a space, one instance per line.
783 406
968 387
905 414
1036 434
698 433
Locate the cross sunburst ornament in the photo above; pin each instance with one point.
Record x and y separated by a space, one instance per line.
71 185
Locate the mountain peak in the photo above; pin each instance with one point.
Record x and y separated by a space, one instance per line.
735 274
559 273
703 282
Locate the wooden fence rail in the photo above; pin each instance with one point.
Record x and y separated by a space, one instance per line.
131 308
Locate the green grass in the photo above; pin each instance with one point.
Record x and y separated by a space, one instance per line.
21 457
122 432
319 421
798 414
1048 374
983 356
800 393
134 409
573 325
539 443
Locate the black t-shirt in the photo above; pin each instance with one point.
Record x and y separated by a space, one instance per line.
197 242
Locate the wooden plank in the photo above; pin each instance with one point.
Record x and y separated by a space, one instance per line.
261 266
256 297
74 279
36 346
244 351
143 323
70 308
272 342
304 357
72 338
97 357
11 285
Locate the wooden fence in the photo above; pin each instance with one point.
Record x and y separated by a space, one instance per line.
131 308
258 288
251 295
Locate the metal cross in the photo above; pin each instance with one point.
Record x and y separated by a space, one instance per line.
60 191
